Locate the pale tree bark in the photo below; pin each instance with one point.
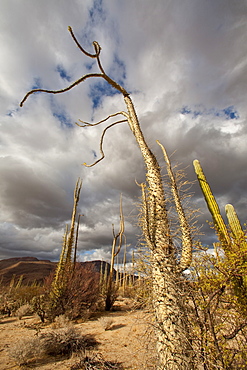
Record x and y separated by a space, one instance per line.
110 286
173 339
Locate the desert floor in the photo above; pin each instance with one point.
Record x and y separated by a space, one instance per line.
128 342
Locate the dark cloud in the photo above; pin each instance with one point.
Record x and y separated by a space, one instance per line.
184 64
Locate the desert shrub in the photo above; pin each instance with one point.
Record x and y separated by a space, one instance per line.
106 322
13 298
140 293
82 290
25 350
61 321
95 362
24 310
64 341
24 294
80 293
219 325
7 305
40 306
61 341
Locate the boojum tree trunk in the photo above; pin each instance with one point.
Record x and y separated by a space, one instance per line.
173 345
110 285
66 263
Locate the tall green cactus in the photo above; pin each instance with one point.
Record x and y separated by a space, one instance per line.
233 239
237 233
240 240
234 223
212 204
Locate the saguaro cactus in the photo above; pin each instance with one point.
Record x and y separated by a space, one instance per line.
173 345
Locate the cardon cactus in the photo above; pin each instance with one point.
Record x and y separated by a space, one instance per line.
212 204
233 239
240 240
234 223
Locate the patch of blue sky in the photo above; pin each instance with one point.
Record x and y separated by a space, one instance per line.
89 65
226 113
63 118
63 74
85 255
59 113
96 17
11 112
97 12
118 68
231 112
99 90
36 83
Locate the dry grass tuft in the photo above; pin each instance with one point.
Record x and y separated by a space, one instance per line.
106 322
61 321
23 310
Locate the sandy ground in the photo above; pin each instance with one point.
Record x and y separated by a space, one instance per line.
129 340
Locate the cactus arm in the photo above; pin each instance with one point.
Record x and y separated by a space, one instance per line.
234 223
241 243
212 204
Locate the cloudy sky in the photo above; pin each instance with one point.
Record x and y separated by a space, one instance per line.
184 63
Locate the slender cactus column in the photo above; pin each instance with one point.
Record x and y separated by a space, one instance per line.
212 204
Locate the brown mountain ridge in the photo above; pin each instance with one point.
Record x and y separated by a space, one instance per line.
34 270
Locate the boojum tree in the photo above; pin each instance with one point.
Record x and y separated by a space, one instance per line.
66 262
110 289
171 326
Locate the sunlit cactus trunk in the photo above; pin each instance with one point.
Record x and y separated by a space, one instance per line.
230 238
212 205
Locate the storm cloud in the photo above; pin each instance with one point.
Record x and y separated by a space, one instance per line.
185 66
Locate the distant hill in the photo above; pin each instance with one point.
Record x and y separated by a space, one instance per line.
34 270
